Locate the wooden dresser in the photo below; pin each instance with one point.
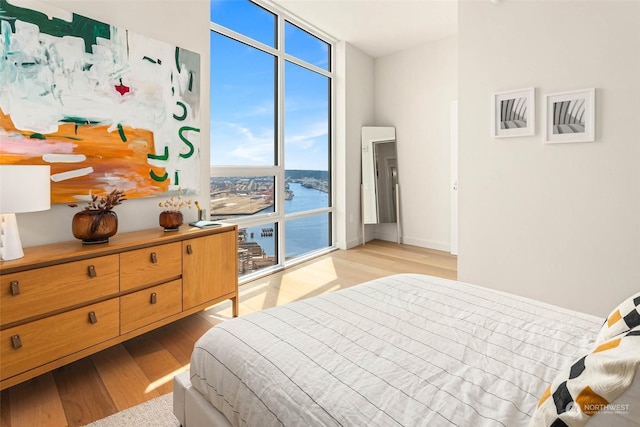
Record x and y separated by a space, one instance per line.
65 301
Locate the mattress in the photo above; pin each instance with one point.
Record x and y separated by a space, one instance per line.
407 350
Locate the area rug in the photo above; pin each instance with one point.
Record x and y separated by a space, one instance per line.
154 413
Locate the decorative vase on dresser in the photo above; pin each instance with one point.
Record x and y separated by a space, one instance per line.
94 226
170 220
97 222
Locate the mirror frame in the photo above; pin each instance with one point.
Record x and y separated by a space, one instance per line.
369 198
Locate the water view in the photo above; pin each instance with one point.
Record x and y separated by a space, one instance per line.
234 197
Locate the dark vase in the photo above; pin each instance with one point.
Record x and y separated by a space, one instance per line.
94 226
170 220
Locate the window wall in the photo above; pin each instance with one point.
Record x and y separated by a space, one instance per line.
271 137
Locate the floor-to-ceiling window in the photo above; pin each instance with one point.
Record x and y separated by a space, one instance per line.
270 92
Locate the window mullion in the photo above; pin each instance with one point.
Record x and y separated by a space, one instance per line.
304 64
332 144
280 194
241 38
312 212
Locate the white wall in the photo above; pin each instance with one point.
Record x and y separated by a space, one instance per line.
556 222
354 109
413 92
181 22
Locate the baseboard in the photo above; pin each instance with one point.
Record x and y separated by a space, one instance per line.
389 237
350 243
429 244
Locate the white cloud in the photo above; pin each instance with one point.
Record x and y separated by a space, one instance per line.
235 144
304 138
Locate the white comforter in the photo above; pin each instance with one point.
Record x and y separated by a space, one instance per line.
408 350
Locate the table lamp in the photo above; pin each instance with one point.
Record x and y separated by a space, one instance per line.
23 188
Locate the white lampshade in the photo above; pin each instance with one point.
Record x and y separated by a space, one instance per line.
23 188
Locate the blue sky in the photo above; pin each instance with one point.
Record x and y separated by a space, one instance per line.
242 93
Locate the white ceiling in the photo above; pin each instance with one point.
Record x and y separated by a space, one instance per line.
379 27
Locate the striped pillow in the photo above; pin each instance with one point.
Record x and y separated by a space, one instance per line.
624 317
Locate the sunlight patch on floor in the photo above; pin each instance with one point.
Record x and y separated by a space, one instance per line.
318 276
167 378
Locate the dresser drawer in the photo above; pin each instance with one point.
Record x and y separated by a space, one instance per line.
150 305
57 336
36 292
150 265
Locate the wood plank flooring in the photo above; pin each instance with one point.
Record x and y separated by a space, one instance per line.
142 368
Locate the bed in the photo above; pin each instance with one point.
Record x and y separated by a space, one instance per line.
406 350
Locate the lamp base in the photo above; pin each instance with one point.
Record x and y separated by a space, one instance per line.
10 244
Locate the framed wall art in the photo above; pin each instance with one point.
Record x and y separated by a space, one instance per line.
105 107
570 116
513 113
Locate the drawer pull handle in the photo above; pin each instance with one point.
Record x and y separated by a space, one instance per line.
189 249
92 271
154 258
16 341
93 319
154 298
15 288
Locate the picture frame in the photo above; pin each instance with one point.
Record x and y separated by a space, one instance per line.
570 116
513 113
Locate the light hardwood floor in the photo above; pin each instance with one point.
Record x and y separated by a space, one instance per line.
142 368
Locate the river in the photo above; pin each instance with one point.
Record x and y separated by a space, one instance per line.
303 235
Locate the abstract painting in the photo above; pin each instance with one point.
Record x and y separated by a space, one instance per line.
571 116
104 107
514 113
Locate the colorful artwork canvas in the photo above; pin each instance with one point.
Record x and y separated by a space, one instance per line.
105 107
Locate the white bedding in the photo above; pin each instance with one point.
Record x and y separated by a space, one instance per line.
408 349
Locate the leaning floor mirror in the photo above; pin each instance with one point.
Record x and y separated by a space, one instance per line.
379 189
